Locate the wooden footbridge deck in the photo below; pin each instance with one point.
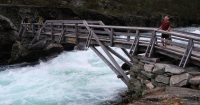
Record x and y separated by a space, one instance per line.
184 47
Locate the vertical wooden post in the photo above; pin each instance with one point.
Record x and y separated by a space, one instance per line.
187 54
134 46
129 37
52 31
111 37
190 48
62 33
76 32
153 44
33 28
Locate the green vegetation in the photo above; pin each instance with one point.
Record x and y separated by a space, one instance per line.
179 10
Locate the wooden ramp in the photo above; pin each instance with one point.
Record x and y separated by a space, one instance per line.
184 47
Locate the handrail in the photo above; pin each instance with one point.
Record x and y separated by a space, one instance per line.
175 33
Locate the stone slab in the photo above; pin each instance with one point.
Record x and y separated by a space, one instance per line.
179 80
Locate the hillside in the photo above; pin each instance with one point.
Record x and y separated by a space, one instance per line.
130 12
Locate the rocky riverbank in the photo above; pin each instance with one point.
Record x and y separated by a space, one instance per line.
162 84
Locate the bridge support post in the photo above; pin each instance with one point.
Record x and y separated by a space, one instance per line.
187 54
24 31
119 69
119 56
128 37
151 45
111 37
52 37
76 32
113 68
127 54
62 33
134 46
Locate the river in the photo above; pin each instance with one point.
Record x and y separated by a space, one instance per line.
72 78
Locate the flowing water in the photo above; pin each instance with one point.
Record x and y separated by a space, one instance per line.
72 78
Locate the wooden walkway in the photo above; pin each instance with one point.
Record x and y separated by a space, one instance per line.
184 47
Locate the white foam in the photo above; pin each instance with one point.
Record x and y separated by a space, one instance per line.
73 78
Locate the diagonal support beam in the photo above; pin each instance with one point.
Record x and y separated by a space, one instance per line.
107 53
127 54
187 54
119 56
135 45
151 45
108 63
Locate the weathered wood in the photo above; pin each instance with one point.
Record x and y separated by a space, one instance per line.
121 37
119 56
62 34
108 54
109 64
187 54
136 42
127 54
52 31
76 32
153 44
128 37
111 37
153 60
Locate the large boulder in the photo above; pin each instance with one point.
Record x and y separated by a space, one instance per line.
18 52
8 36
179 80
174 69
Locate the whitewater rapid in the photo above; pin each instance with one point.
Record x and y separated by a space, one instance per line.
72 78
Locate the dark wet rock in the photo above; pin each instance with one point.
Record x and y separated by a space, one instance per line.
18 51
54 47
162 79
80 46
68 47
21 54
180 80
125 67
148 75
40 45
8 36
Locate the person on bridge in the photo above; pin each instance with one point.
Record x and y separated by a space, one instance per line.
166 26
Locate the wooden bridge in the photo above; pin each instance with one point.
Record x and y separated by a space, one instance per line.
184 47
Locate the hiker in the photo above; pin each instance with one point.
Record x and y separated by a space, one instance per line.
165 25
